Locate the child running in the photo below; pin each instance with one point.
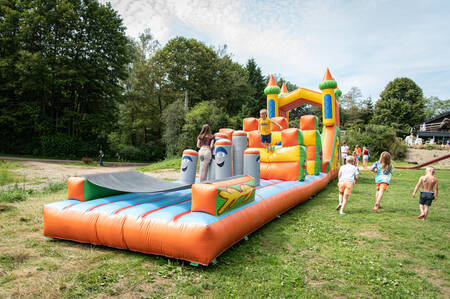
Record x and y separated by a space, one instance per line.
428 182
357 154
344 151
365 156
264 129
384 170
348 175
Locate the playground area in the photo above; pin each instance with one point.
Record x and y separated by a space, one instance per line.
277 228
310 252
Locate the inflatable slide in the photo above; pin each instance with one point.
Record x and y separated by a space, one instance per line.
247 187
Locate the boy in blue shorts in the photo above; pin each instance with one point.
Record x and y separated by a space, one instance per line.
428 193
264 129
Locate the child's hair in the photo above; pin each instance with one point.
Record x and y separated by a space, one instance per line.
350 159
263 111
430 168
385 161
205 134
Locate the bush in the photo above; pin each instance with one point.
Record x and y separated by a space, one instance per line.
147 152
62 145
14 194
377 138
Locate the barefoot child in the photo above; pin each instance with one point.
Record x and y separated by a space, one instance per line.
428 182
384 171
264 129
348 175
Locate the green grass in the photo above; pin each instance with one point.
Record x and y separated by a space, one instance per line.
310 252
172 163
7 176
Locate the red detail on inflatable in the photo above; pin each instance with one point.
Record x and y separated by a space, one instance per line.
160 208
223 142
190 152
180 215
284 88
327 76
272 81
251 152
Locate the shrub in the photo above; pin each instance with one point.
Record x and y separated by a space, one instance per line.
62 145
377 138
14 194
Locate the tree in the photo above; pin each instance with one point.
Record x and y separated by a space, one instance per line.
257 84
435 106
400 102
64 62
190 67
354 108
352 98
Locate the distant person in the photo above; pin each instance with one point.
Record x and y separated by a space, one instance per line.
357 154
366 155
384 170
348 176
344 151
100 157
264 129
205 141
428 183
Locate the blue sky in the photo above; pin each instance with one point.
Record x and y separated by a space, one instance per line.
364 43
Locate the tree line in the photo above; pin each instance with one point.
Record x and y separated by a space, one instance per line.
72 82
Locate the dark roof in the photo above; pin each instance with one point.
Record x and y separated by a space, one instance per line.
443 115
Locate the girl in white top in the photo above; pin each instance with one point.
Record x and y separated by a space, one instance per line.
348 175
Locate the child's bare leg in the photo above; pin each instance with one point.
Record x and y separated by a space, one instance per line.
425 211
422 213
340 201
378 199
344 202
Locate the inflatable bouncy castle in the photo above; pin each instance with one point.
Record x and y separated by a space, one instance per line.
247 186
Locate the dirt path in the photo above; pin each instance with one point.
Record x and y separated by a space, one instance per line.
422 155
37 175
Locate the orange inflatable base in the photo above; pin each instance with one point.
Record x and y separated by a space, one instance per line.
198 243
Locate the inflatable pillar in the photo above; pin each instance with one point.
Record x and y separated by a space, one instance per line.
188 166
327 86
223 160
252 164
239 145
212 168
271 91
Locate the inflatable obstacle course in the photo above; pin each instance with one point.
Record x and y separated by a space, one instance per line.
193 221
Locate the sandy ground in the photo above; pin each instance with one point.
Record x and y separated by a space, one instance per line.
422 155
37 175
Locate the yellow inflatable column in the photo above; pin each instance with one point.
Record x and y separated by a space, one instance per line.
271 91
328 103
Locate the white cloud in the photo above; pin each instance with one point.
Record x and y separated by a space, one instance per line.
365 44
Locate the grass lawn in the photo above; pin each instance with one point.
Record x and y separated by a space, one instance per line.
310 252
7 176
172 163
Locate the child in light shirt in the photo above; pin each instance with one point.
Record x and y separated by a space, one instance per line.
348 175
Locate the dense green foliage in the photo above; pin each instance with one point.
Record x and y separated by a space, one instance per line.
60 66
377 138
400 103
72 83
